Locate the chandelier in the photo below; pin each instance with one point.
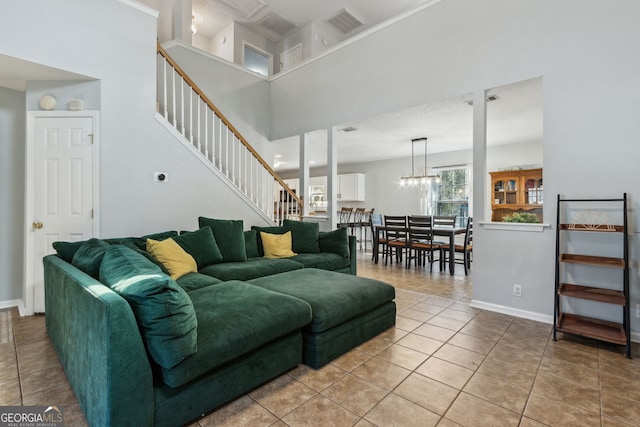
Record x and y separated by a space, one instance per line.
424 178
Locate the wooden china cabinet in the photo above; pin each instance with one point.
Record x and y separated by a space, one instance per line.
516 191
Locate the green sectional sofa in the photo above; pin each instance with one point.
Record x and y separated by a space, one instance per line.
161 329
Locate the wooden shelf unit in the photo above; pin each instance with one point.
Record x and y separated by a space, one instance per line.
516 191
586 326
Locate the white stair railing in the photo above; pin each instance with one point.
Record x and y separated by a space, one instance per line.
186 108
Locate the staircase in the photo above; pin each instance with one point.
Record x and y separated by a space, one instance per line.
197 123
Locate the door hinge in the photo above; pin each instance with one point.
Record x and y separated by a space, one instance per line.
90 140
91 213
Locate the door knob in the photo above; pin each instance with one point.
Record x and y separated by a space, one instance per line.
38 225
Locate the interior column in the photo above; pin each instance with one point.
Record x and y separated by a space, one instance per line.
478 197
332 177
303 188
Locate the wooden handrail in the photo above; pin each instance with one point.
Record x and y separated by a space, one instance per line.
227 123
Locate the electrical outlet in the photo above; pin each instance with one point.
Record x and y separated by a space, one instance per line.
637 310
161 176
517 290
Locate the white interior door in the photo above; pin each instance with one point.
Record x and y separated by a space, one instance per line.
291 57
62 193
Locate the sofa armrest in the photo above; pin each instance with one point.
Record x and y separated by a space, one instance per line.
353 255
97 339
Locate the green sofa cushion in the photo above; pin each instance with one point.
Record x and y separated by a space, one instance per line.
304 236
89 256
250 269
334 297
251 244
163 309
192 281
201 245
234 319
271 230
324 261
229 235
66 250
336 241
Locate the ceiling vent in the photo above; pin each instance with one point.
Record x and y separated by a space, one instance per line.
246 8
345 22
347 129
276 23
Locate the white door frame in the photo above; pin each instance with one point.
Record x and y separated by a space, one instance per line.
28 288
269 55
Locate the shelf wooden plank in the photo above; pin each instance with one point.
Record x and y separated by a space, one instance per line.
610 296
592 328
593 227
599 261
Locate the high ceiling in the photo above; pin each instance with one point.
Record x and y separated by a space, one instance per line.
515 117
211 16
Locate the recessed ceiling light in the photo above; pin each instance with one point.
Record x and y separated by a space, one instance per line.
277 156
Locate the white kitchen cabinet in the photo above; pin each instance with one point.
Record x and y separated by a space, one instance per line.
351 187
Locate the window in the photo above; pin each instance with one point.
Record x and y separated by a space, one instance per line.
450 196
257 60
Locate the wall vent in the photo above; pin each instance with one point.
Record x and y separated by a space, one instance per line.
246 8
345 22
276 23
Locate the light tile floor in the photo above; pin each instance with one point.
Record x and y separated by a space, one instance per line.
445 363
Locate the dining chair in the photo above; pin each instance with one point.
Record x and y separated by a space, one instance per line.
421 246
447 220
395 235
356 220
365 225
377 236
465 250
345 217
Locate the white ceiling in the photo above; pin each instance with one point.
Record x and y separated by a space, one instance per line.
214 15
516 117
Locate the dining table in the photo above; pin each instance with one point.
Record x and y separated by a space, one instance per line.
450 231
438 230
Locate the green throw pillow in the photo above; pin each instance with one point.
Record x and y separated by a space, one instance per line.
229 235
251 244
163 309
89 256
304 236
201 245
66 250
336 241
271 230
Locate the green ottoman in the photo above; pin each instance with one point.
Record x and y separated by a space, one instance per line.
346 310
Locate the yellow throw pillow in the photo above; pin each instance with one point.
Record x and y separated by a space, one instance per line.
276 245
172 257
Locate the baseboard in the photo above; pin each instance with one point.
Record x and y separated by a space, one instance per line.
11 303
525 314
531 315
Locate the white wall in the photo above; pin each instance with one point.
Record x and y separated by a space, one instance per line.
584 50
12 136
222 44
64 91
133 143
